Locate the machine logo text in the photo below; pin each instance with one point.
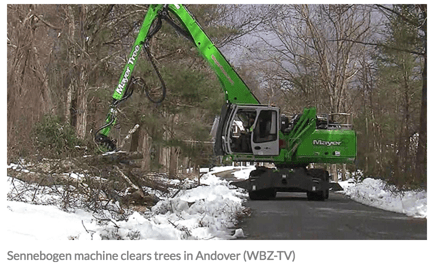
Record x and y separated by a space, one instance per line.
125 79
326 143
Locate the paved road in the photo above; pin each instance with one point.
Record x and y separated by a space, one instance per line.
292 216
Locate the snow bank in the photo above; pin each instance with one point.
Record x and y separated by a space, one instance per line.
25 221
205 212
376 193
209 211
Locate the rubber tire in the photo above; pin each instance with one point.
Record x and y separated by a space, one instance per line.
263 194
324 176
319 173
317 196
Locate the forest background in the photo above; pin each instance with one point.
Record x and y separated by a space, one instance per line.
63 62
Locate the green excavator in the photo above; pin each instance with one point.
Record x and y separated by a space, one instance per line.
247 130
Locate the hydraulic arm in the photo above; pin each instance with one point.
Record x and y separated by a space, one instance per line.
236 91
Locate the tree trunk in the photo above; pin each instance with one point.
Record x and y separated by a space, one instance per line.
163 158
185 163
46 100
334 172
421 156
344 172
81 105
71 55
82 81
146 146
173 164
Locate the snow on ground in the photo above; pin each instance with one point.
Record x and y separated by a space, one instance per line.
43 222
376 193
209 211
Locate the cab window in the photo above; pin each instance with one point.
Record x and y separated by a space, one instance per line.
266 127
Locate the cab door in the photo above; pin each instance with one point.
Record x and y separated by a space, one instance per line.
251 129
265 135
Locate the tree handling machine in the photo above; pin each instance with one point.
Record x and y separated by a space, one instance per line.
248 131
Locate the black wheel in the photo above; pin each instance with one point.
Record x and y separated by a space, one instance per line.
316 196
310 196
322 175
263 194
255 195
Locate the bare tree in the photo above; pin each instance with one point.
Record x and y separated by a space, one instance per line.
90 50
309 57
30 41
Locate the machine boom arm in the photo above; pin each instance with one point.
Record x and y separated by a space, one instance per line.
236 91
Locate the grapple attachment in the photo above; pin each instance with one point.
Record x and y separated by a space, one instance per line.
105 142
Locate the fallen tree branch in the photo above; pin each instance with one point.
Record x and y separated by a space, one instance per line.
139 189
129 135
112 157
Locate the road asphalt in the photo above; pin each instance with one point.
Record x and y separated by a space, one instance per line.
291 216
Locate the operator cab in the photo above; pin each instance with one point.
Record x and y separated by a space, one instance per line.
250 129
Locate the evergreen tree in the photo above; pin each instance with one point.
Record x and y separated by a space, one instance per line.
391 87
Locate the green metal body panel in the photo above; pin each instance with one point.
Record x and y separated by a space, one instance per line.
328 146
